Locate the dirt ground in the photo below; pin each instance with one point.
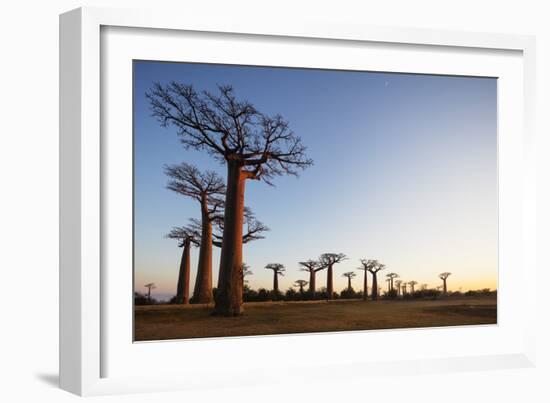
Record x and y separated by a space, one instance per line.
164 322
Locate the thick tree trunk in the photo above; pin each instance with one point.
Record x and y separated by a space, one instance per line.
182 293
229 301
445 287
365 286
312 283
349 283
330 289
275 283
374 287
202 293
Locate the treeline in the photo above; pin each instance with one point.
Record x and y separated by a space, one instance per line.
291 294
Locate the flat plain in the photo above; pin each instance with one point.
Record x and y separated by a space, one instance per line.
169 322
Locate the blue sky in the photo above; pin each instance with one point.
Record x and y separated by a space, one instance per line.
405 171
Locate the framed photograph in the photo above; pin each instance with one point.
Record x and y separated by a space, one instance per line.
246 188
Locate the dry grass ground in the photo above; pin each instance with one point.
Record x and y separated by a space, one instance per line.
163 322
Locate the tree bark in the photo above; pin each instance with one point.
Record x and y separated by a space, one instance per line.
202 293
275 283
330 289
182 293
349 283
312 283
445 286
229 301
365 289
374 287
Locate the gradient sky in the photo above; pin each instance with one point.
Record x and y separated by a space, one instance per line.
405 171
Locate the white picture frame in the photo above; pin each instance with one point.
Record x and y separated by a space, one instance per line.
88 314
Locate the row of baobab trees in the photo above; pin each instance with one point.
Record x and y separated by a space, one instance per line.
253 146
326 261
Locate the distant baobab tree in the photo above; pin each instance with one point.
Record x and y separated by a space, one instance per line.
389 284
398 286
349 275
301 284
365 282
444 276
391 277
412 284
252 145
245 270
404 288
328 260
373 266
278 270
149 286
423 287
208 189
185 238
312 267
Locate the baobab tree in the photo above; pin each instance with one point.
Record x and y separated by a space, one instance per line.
398 286
208 189
391 277
389 284
312 267
444 276
412 284
245 270
373 266
349 275
278 270
365 282
301 284
149 286
328 260
252 145
404 288
186 238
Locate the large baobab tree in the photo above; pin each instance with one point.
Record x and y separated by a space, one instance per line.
208 189
328 260
412 284
278 270
253 145
389 284
373 266
404 288
312 267
349 275
391 277
185 238
444 276
398 286
149 286
301 284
